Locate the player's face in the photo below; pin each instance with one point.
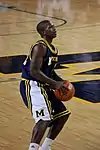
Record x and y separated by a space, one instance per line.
50 30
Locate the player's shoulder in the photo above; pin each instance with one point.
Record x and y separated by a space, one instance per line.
39 44
39 48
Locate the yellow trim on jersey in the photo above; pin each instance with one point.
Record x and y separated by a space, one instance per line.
23 79
25 61
30 52
42 41
38 42
53 51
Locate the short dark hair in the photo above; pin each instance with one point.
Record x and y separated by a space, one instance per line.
41 26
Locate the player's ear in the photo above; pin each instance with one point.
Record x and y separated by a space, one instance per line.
44 32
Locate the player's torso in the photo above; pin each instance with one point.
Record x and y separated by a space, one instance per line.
48 64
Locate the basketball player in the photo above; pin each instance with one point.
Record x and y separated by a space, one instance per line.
37 88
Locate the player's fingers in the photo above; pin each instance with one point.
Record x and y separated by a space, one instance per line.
63 89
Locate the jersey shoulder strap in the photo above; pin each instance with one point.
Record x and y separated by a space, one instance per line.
31 49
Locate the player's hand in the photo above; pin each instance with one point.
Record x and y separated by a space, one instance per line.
60 85
57 84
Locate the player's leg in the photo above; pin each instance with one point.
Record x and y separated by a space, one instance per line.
41 111
57 126
35 98
54 130
37 134
61 115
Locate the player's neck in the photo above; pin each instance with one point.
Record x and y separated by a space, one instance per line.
49 40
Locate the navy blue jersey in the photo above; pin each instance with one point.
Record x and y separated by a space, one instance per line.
49 61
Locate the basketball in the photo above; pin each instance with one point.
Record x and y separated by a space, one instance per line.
65 94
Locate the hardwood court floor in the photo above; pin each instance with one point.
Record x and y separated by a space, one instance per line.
80 35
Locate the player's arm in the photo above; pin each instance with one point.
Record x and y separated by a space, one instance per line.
56 77
38 53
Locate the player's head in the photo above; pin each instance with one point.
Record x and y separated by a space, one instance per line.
46 28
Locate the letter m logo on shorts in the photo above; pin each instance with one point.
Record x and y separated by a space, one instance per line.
40 113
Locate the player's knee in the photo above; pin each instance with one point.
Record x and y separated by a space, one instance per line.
42 124
39 130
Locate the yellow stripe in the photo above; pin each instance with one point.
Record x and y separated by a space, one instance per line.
29 99
42 42
30 52
23 79
26 89
82 101
28 93
25 61
53 51
47 101
46 98
62 115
